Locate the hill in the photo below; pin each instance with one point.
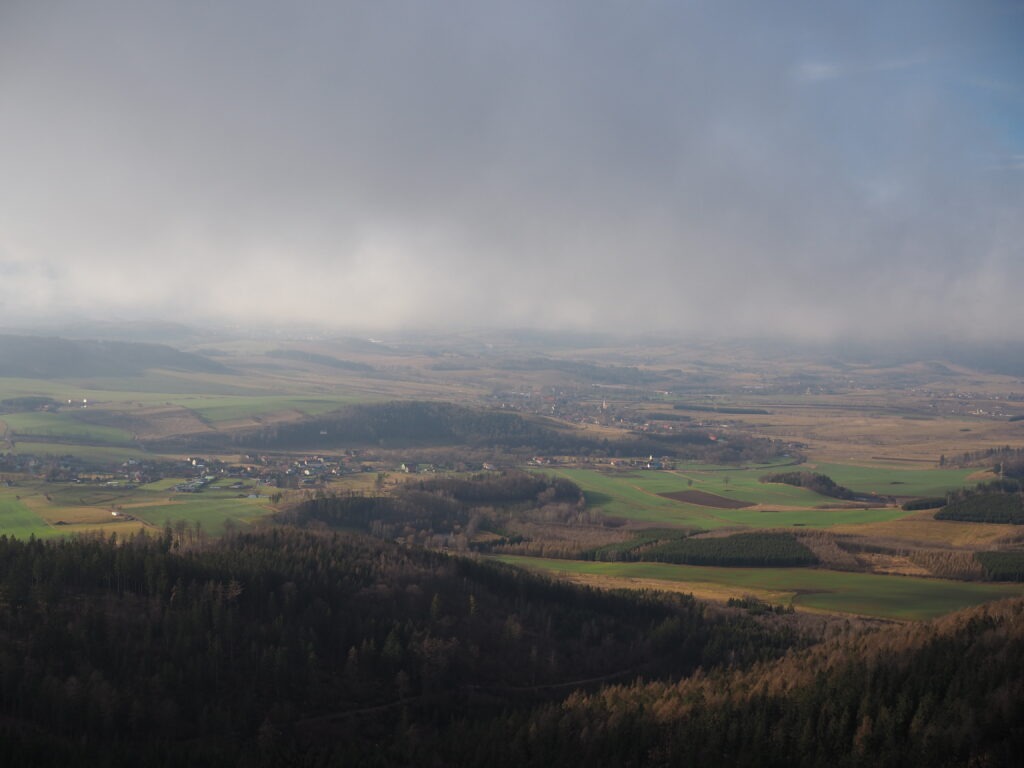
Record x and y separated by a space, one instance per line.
42 357
413 424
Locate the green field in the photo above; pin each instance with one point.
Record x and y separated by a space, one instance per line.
58 390
88 507
210 510
65 426
153 388
220 408
213 397
894 597
620 496
740 485
760 467
18 520
156 386
810 518
887 481
634 494
98 454
164 485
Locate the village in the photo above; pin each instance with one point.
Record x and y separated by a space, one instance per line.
254 472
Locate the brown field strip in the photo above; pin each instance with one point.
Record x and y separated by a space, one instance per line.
701 590
704 499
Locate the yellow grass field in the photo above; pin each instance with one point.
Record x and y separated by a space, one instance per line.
921 528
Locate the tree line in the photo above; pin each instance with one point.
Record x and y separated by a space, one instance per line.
1005 460
812 481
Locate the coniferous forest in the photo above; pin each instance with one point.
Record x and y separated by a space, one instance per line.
283 642
304 648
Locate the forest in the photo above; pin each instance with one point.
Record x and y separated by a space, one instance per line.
1002 565
302 648
263 648
944 694
751 550
444 510
995 502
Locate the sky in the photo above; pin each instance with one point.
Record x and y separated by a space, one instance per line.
809 169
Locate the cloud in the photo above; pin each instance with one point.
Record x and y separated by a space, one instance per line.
578 164
821 71
817 71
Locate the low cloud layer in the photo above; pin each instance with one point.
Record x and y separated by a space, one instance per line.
804 169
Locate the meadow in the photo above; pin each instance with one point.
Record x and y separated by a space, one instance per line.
635 495
211 510
895 481
227 408
16 519
51 509
66 426
94 454
891 597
